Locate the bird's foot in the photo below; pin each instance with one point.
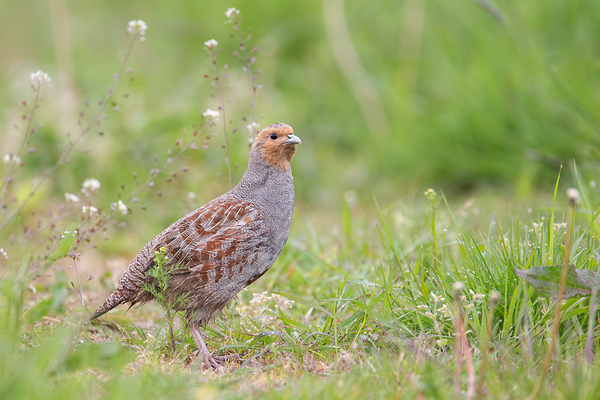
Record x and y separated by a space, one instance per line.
213 362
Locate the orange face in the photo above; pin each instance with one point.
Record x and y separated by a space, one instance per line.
278 145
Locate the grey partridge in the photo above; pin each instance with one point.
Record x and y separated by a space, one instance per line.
225 245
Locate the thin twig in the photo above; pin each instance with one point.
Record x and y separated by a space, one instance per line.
237 26
11 166
218 79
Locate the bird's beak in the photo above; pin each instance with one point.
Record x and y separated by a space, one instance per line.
293 139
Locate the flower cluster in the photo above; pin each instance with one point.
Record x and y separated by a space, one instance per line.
211 116
253 130
90 186
71 198
282 303
430 194
137 27
559 226
12 158
89 209
261 301
119 205
3 254
573 194
232 12
39 78
211 44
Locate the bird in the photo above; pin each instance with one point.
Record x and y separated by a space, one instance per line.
222 247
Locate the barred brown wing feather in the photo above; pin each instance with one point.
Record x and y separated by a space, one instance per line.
216 242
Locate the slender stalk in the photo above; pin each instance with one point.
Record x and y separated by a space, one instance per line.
11 166
494 296
458 343
218 79
237 26
171 335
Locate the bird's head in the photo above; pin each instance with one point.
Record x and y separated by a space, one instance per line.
277 145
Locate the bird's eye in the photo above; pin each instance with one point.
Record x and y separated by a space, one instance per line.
273 136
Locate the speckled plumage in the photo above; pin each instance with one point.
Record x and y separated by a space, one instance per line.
228 243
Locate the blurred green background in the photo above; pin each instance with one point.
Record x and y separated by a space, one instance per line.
389 97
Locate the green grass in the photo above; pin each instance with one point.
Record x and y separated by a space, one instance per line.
373 316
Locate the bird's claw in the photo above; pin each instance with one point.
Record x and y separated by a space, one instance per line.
214 362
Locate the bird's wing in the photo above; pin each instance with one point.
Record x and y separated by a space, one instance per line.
219 240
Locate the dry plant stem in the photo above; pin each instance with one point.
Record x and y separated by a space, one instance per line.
218 78
248 68
27 134
457 343
69 147
559 299
462 349
74 257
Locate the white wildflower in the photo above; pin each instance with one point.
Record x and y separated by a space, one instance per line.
39 78
191 195
71 198
445 310
12 158
3 254
253 128
459 286
122 207
281 302
211 44
137 27
430 192
559 226
436 298
231 12
91 210
573 194
259 300
90 186
211 116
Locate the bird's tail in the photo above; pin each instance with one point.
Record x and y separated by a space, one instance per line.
111 302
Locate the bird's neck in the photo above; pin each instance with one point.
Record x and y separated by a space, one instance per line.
267 186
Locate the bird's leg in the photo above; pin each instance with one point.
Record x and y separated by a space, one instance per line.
207 358
211 361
